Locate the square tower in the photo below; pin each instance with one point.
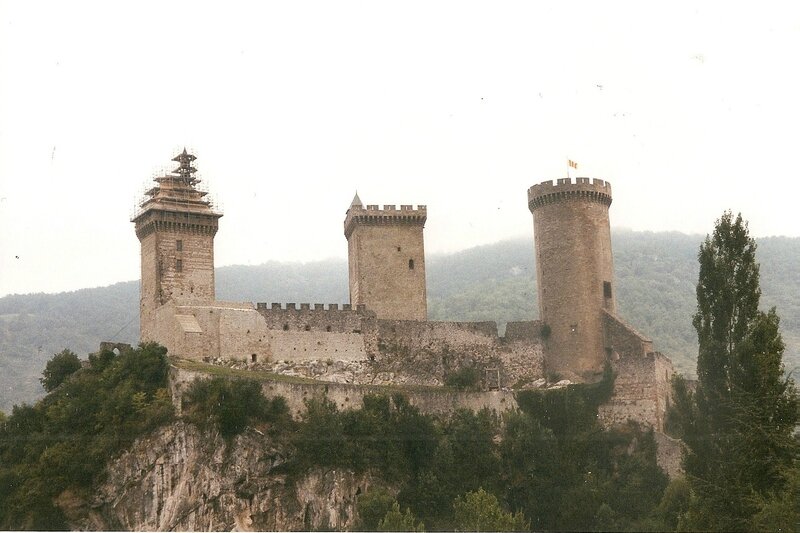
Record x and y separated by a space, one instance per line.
175 226
386 255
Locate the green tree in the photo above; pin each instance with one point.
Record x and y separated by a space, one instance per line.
480 511
231 405
59 368
738 423
372 507
397 521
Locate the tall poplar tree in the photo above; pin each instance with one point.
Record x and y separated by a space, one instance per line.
738 424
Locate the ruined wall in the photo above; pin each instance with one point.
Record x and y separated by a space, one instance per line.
386 255
574 271
430 351
628 401
622 340
431 400
641 391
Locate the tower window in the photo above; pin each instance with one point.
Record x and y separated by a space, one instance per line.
411 264
179 245
399 249
179 265
607 289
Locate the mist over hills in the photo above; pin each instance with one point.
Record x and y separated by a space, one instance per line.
655 288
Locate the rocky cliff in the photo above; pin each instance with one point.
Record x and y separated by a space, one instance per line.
179 478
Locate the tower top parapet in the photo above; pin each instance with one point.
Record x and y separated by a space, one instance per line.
593 190
374 215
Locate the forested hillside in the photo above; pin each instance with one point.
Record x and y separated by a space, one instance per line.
655 278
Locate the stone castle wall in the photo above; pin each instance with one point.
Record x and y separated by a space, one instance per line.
641 391
622 340
433 350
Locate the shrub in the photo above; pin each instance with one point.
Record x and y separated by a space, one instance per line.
230 405
59 368
463 379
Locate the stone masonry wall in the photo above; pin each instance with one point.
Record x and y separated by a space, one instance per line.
641 391
622 339
346 396
161 279
427 352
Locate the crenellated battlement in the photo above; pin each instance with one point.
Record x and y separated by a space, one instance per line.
307 307
587 189
306 317
373 215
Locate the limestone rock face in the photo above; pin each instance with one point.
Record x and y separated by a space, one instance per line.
181 479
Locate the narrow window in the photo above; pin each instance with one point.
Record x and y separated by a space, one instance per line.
253 357
179 265
398 248
286 327
607 289
411 264
179 245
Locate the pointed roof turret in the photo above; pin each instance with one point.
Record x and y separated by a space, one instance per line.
356 201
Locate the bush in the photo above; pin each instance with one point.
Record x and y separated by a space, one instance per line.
232 405
65 440
464 379
372 507
397 521
59 368
481 511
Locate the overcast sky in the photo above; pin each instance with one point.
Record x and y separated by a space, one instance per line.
291 107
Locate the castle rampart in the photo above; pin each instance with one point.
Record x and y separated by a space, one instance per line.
546 193
389 215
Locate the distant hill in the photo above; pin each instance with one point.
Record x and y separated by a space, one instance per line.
655 277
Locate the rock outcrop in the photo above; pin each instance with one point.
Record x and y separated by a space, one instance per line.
180 478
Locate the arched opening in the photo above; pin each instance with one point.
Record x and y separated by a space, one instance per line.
411 264
253 358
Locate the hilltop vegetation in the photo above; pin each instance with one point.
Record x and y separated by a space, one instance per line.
64 441
548 465
655 278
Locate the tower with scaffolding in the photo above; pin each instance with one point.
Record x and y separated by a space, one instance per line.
176 224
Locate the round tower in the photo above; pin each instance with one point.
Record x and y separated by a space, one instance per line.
574 272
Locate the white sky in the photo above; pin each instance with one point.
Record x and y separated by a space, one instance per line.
292 106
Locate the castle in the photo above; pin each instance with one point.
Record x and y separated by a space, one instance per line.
383 336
